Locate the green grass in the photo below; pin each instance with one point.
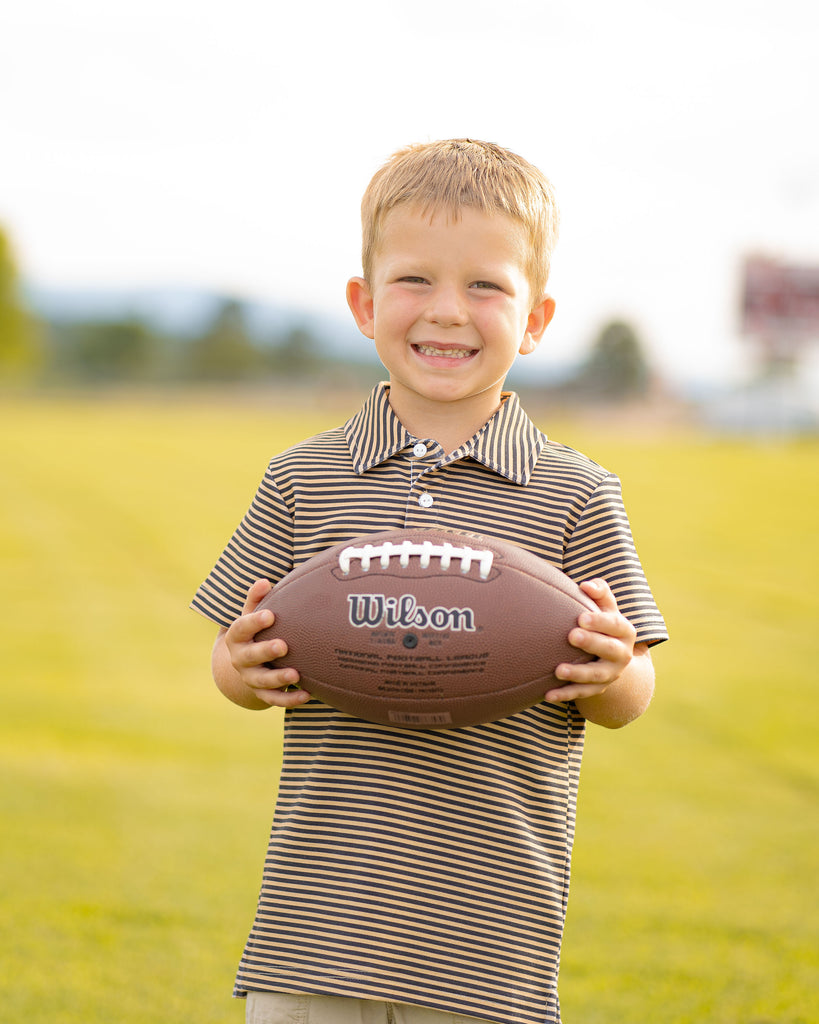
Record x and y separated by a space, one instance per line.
135 800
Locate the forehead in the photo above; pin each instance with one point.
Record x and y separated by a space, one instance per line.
444 231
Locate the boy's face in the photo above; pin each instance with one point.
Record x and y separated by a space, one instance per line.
449 307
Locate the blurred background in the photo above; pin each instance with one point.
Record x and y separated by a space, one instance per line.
180 182
179 215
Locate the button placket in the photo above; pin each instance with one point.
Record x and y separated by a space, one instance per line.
420 450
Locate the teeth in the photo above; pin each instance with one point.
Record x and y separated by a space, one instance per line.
449 353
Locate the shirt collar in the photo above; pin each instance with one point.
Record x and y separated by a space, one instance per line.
509 444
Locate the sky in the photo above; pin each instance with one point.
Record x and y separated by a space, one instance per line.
226 146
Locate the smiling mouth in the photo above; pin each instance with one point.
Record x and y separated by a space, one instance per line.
445 353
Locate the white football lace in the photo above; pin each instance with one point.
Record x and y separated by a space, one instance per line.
426 551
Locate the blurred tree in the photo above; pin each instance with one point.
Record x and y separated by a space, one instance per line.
21 342
297 353
109 350
616 367
224 351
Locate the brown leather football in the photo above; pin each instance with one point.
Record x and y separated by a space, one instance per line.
426 629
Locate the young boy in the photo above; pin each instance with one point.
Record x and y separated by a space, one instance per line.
421 877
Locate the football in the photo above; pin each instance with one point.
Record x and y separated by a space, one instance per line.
426 629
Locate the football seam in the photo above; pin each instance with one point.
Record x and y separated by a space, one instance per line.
284 582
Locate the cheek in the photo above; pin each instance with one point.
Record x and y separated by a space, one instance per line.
395 312
505 325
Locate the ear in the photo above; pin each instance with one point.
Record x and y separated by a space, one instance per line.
539 320
360 301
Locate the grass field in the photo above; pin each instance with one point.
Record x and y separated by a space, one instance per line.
136 801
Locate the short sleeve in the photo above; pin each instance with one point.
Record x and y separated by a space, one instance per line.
601 545
262 546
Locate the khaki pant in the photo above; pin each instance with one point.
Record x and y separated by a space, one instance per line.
272 1008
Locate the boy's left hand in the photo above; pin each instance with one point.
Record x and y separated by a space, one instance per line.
608 635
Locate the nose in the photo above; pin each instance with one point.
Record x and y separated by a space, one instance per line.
445 308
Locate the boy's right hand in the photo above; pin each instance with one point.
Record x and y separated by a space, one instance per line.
242 661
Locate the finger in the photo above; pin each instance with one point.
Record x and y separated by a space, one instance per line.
598 673
259 677
248 655
245 628
600 592
608 620
277 687
258 590
604 645
284 698
573 691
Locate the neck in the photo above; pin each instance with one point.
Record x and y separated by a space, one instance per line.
450 424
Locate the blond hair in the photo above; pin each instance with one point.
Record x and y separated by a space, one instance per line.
453 173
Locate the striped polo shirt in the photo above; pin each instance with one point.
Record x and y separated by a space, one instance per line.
429 866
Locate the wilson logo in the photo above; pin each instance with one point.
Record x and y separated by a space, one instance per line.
372 610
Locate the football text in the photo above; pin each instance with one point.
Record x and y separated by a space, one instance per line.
372 610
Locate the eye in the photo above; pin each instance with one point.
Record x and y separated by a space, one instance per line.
486 285
412 279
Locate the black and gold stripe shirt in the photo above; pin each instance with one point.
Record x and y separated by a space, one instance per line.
428 866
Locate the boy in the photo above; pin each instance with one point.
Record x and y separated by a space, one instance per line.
421 877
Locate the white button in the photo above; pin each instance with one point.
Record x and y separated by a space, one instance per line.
425 500
420 450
